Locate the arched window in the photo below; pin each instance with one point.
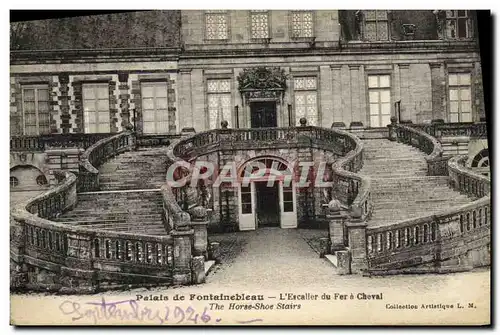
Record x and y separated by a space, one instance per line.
482 159
14 182
41 180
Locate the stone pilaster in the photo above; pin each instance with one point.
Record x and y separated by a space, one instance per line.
337 94
438 87
336 230
354 93
200 241
405 91
182 256
356 232
78 274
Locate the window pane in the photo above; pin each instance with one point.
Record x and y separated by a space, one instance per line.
287 196
371 31
29 95
453 106
453 95
385 96
148 115
43 95
288 207
466 117
103 117
162 115
259 25
385 81
103 105
466 107
374 97
29 107
453 117
462 28
104 127
464 78
374 109
451 28
148 103
161 90
382 31
372 81
381 14
385 108
148 127
88 92
246 208
102 91
161 103
374 121
369 14
147 91
453 79
246 197
465 94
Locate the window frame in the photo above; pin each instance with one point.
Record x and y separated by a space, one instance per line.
226 15
295 90
229 93
313 23
251 13
456 18
378 89
376 20
152 83
35 87
95 84
459 88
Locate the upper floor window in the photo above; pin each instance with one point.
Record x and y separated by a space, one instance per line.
376 27
36 114
457 24
259 20
219 102
96 108
302 24
379 91
459 85
155 114
216 27
306 99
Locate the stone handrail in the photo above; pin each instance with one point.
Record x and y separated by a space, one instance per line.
427 239
436 163
477 130
43 142
54 246
353 189
98 153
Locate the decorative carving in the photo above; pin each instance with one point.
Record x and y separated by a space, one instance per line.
440 23
262 83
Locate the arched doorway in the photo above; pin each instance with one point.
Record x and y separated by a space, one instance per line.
266 194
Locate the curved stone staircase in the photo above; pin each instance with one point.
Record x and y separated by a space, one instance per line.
129 199
401 188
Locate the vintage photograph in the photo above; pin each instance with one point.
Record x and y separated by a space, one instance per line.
249 167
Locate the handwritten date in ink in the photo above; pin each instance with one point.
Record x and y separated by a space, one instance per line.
131 310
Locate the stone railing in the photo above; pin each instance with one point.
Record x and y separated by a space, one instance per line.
433 242
436 164
439 130
98 153
44 142
78 259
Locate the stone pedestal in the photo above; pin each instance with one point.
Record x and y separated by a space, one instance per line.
182 256
78 275
356 231
343 262
393 136
200 240
336 230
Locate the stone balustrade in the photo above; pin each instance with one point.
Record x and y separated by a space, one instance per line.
98 153
440 130
44 142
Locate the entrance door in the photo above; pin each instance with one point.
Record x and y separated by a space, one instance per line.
288 206
247 207
263 114
268 208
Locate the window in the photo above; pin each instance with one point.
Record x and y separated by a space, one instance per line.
376 25
216 27
379 90
41 180
155 109
302 24
246 200
287 199
96 108
460 97
458 24
36 109
219 102
306 100
14 182
259 21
